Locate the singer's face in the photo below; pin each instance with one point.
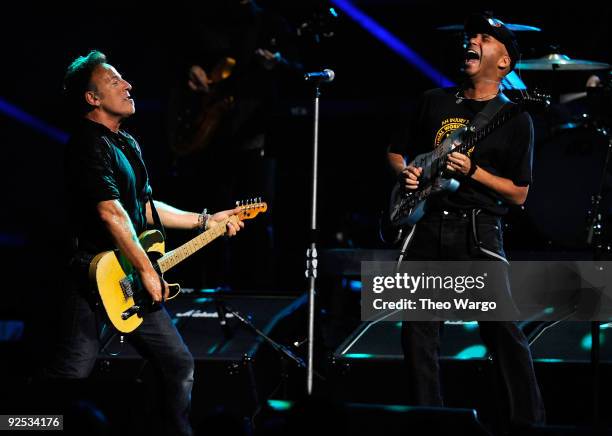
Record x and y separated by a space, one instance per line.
485 56
112 92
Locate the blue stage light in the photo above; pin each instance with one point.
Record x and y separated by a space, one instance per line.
22 116
393 42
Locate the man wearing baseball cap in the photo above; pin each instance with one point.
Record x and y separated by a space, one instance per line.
482 24
467 224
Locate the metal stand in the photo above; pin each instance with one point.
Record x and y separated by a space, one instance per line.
595 233
247 322
311 252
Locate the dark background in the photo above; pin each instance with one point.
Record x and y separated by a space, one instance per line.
374 92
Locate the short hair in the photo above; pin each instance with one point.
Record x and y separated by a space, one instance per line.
77 81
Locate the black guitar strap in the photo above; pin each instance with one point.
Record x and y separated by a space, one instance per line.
156 220
146 191
159 226
488 113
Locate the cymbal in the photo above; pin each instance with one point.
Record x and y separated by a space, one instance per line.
513 27
559 62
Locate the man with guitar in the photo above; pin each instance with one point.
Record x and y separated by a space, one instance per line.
234 60
110 204
466 223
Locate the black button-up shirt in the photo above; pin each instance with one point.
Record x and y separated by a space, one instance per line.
103 165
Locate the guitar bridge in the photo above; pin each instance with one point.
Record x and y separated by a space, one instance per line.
126 287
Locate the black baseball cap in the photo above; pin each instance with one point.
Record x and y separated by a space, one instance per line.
480 23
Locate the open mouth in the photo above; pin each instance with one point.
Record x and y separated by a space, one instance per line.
471 56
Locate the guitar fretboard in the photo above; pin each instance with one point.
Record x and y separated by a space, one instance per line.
174 257
471 138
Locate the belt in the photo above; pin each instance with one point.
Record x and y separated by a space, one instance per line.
466 213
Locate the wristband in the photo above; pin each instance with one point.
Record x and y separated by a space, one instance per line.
203 221
472 170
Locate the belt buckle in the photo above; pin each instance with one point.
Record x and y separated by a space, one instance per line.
458 214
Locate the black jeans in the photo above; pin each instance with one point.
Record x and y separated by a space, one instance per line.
450 236
156 339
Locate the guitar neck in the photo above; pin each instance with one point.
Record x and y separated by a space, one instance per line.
477 136
471 138
179 254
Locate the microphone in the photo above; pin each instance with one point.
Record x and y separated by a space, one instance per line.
324 76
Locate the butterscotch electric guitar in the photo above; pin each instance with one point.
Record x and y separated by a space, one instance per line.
124 298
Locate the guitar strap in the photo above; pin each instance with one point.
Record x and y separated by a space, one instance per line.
158 224
147 191
488 113
156 220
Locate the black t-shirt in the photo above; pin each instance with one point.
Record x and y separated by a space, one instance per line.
102 165
507 152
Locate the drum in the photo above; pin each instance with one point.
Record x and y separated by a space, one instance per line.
568 165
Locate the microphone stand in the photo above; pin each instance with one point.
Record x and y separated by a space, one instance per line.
311 252
317 78
594 238
223 308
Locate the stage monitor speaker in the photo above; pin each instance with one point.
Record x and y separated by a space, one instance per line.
234 367
321 416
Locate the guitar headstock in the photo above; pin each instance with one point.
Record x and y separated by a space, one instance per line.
535 99
249 209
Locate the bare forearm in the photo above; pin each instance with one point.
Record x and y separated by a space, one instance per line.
172 217
504 187
118 224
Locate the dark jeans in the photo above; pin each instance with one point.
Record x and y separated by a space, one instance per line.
450 236
156 339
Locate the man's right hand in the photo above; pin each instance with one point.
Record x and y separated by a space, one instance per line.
410 176
153 284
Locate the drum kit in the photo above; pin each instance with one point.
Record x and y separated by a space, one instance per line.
570 199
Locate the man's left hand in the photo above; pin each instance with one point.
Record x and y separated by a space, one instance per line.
458 163
232 228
